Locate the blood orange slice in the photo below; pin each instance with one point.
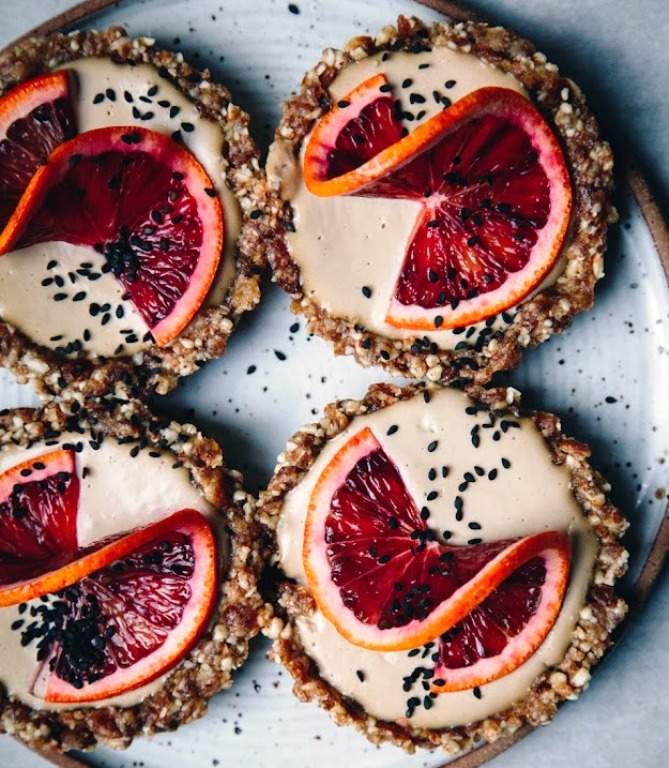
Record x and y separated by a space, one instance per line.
133 617
38 518
494 188
144 203
383 579
35 117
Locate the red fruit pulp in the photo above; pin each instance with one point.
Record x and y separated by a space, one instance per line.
38 515
35 117
485 632
374 129
133 603
119 627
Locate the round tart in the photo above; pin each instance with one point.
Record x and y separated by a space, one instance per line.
120 612
447 199
447 565
154 249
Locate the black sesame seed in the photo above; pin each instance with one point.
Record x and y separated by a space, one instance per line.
477 692
79 296
392 429
407 82
59 296
360 675
111 94
209 191
432 447
343 104
432 495
366 291
449 83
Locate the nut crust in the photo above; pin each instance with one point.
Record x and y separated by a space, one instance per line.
207 334
589 159
600 615
222 648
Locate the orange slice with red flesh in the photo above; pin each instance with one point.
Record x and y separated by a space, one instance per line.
38 519
493 186
131 612
145 204
35 117
380 575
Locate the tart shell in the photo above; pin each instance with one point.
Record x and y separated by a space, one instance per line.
223 648
157 369
590 163
600 615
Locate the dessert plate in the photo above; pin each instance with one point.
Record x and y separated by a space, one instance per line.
607 376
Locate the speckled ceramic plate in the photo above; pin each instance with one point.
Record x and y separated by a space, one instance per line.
608 377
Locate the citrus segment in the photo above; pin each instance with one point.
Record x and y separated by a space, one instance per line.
494 189
136 616
141 201
385 581
355 132
35 117
38 518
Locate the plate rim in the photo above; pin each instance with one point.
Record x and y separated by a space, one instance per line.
658 227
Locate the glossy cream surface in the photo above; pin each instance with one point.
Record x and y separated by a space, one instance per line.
531 496
117 493
108 94
343 244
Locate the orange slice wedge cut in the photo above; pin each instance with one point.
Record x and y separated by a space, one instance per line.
385 581
143 203
493 186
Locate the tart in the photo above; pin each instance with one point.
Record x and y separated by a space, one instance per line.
100 293
389 522
412 167
122 613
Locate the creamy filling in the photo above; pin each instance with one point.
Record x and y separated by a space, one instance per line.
157 490
58 316
528 496
350 250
